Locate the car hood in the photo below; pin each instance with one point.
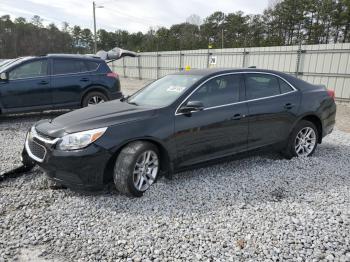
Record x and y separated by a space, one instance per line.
103 115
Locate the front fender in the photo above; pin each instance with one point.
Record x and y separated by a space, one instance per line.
117 136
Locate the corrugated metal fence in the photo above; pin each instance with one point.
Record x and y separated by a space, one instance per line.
319 64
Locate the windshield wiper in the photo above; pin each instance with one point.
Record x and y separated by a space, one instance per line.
124 98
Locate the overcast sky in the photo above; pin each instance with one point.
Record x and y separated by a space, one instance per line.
131 15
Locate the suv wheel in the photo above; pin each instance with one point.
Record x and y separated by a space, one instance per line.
94 98
136 168
303 140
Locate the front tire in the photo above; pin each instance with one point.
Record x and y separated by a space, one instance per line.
303 140
136 168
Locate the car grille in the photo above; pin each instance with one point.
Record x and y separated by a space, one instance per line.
37 150
36 144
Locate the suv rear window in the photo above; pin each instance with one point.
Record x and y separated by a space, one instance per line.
68 66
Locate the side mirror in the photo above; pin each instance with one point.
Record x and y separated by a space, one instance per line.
4 76
191 107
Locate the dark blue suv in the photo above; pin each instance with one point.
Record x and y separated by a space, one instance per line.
56 81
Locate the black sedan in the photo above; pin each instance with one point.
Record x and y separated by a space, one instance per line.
178 121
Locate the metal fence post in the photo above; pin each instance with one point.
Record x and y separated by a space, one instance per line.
244 60
124 67
158 64
139 66
298 68
181 63
208 58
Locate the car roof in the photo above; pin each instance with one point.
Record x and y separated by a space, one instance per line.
210 72
75 56
214 71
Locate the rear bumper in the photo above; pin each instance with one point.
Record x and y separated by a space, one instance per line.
328 121
328 129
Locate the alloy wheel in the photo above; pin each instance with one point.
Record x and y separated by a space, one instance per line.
305 141
94 100
145 170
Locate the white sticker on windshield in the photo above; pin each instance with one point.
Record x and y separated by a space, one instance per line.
177 89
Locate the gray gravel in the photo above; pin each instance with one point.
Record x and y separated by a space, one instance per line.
252 209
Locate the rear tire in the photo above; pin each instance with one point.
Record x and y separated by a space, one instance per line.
303 140
136 168
94 98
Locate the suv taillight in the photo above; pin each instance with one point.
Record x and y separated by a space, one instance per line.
331 93
112 74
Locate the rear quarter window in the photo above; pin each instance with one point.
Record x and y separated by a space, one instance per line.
285 88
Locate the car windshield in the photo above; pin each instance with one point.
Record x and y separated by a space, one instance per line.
5 63
164 91
11 62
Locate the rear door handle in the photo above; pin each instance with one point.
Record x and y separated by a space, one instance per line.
43 82
84 79
288 106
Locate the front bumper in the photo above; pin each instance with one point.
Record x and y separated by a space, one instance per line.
78 169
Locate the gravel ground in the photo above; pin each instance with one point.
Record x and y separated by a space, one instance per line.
131 85
257 208
343 117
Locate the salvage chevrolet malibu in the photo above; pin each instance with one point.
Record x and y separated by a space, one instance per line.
180 120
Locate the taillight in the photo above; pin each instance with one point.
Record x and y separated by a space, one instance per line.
112 74
331 93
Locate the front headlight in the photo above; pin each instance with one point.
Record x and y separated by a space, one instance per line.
80 140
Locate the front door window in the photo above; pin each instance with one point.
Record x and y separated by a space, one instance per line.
29 70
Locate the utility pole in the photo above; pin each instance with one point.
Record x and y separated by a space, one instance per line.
222 25
95 34
95 37
222 38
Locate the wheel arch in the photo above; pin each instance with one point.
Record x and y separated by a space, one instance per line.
165 162
316 120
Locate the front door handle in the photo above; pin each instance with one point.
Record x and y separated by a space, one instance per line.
288 106
84 79
43 82
237 117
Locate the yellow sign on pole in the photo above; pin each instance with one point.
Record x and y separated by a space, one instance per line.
210 46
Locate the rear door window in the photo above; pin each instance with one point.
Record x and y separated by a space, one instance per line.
260 85
28 70
68 66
